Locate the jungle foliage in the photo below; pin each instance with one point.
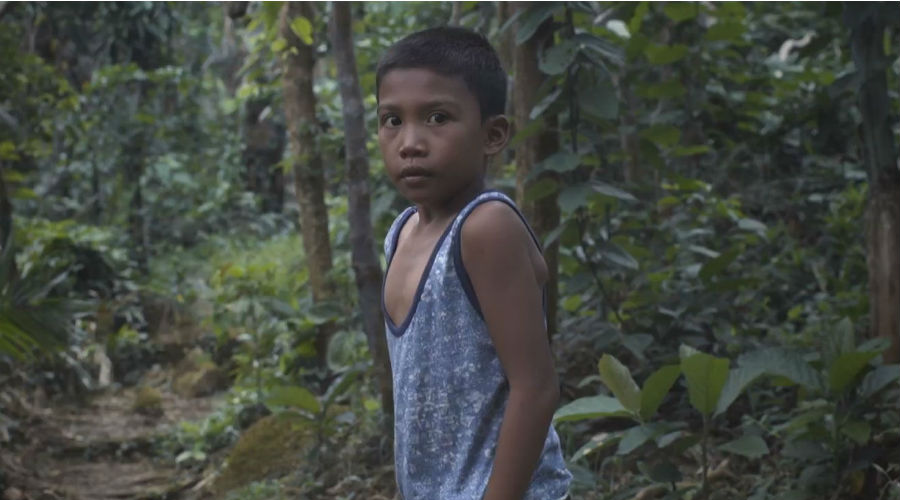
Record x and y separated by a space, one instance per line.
712 168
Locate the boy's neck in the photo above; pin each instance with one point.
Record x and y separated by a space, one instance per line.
430 214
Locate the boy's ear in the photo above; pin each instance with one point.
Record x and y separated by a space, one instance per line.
496 136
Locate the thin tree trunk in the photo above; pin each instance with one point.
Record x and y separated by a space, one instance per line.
883 211
629 137
134 171
263 148
366 268
544 213
309 177
6 228
456 13
505 46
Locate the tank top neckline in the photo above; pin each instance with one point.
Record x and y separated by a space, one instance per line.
399 330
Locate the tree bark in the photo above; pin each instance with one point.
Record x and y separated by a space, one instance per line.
263 149
456 13
366 268
505 45
309 177
543 213
883 211
6 230
136 152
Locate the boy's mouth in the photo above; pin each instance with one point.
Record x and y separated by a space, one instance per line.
414 171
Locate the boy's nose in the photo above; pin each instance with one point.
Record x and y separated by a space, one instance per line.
412 144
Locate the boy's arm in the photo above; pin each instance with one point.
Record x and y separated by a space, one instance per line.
496 250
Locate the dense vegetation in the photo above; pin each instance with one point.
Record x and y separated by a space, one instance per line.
717 185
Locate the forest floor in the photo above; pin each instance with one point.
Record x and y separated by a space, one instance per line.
98 449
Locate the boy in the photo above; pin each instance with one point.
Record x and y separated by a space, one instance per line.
474 383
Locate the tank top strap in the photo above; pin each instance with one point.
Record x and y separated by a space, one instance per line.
393 234
456 242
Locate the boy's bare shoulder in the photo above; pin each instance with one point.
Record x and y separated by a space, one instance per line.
494 223
495 242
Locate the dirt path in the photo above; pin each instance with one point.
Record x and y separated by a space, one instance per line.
102 450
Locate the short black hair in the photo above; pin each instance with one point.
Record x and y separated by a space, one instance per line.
452 51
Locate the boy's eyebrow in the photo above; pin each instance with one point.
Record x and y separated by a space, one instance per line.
434 103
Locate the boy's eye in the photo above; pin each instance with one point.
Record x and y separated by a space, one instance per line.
390 121
436 118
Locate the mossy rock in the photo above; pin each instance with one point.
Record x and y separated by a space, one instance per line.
193 359
202 381
272 447
148 401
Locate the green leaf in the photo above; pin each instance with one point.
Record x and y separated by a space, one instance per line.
559 162
597 442
685 351
533 18
846 368
278 45
754 225
8 152
612 191
781 362
878 379
293 396
705 375
544 103
665 90
541 189
690 150
599 100
747 446
303 29
715 266
573 197
637 343
857 430
572 302
634 437
591 407
617 255
738 380
656 387
640 12
805 449
602 47
556 59
664 472
618 379
725 31
665 54
662 134
681 11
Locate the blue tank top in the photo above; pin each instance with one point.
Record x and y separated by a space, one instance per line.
450 390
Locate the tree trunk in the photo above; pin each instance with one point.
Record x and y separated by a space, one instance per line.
6 230
629 137
134 171
505 46
366 268
263 149
456 13
309 177
543 213
883 211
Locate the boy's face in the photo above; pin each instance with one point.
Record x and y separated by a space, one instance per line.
432 137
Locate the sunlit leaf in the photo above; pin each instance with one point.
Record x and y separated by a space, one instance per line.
656 387
706 376
303 29
619 381
591 407
747 446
